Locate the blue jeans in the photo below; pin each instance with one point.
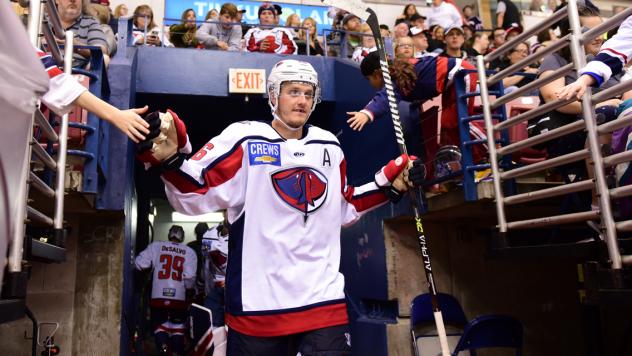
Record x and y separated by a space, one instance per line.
215 302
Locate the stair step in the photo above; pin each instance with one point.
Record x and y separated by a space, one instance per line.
45 252
11 309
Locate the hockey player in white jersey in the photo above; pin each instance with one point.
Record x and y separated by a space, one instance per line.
285 190
215 251
611 60
174 266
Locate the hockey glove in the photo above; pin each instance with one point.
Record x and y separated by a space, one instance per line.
416 175
167 141
391 177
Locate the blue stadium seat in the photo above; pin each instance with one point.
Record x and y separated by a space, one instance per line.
491 331
422 325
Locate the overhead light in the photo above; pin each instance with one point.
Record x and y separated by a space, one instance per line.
209 218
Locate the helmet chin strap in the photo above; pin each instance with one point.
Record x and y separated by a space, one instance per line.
276 117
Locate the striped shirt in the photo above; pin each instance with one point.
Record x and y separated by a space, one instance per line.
87 30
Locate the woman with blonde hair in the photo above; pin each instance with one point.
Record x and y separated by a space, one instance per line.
293 21
182 35
145 29
121 11
314 46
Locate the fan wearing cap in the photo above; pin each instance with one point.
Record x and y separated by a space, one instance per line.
174 266
266 37
454 39
225 35
283 184
368 44
418 21
420 40
352 23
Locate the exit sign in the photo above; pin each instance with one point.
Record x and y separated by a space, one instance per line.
249 81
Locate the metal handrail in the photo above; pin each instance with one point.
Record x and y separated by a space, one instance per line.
592 152
39 184
45 126
54 19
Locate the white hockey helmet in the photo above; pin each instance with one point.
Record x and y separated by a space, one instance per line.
176 232
291 70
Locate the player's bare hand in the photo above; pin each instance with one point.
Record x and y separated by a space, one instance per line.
131 124
357 120
576 89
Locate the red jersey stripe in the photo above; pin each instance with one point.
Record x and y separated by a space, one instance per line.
220 173
289 323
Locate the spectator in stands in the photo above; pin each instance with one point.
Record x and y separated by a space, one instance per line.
102 14
471 19
404 48
468 32
182 35
512 32
225 35
518 53
314 45
498 38
385 31
145 29
418 21
368 44
420 40
279 11
212 15
86 29
409 11
454 40
477 46
589 18
120 11
267 38
507 14
435 42
64 92
444 14
417 80
293 21
352 23
401 29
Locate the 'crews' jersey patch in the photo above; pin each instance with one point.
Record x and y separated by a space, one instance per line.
302 188
264 153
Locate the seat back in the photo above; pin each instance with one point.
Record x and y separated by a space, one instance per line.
423 329
491 331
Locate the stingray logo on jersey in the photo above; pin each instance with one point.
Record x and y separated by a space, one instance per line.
264 153
302 188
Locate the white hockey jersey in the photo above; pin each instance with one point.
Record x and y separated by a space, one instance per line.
282 40
286 201
174 266
63 90
215 251
613 56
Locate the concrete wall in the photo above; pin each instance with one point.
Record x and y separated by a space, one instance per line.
541 293
82 294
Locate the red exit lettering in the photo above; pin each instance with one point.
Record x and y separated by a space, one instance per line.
247 80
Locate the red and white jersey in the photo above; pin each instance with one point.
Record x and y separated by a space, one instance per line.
286 201
174 266
215 250
63 89
282 40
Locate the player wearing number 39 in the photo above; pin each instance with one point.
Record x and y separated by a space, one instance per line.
174 266
284 186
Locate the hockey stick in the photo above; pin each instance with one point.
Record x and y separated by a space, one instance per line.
358 8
